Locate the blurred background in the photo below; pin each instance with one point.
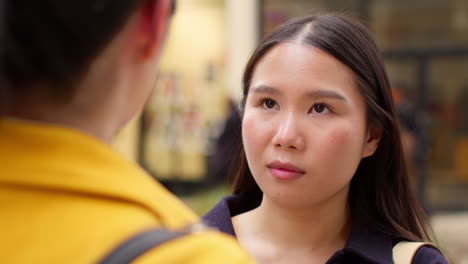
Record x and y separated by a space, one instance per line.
189 130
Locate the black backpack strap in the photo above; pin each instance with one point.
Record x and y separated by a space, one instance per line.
140 243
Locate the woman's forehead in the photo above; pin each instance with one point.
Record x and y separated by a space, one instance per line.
302 66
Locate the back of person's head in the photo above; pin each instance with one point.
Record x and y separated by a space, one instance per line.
49 45
380 188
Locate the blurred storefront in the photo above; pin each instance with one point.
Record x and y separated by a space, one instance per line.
425 44
189 100
200 75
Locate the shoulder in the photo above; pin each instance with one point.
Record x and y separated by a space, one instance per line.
429 255
206 247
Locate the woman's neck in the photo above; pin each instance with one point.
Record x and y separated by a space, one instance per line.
318 231
313 226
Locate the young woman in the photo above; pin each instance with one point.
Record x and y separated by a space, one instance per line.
321 177
72 74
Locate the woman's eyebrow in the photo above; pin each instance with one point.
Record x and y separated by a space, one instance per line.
261 88
321 93
326 94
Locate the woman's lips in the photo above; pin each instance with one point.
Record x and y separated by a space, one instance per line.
285 171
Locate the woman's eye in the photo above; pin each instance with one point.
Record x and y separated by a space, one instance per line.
269 104
320 109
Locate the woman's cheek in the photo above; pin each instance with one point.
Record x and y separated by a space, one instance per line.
332 142
250 129
345 144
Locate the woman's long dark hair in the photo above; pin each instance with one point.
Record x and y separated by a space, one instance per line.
380 188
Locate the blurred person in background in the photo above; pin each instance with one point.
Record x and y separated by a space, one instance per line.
322 176
220 164
73 73
414 137
410 119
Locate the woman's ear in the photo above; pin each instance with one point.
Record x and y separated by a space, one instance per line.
374 134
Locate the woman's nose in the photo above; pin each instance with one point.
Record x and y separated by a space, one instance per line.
288 134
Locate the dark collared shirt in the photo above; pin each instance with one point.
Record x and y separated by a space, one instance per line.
365 244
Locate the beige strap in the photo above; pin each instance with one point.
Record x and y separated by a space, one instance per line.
403 252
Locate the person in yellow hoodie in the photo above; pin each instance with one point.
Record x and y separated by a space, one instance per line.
72 74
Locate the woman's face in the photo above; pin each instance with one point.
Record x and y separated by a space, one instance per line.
304 127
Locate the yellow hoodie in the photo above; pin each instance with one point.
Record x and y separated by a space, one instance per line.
66 197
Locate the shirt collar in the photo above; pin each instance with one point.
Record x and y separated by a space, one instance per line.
368 242
220 215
